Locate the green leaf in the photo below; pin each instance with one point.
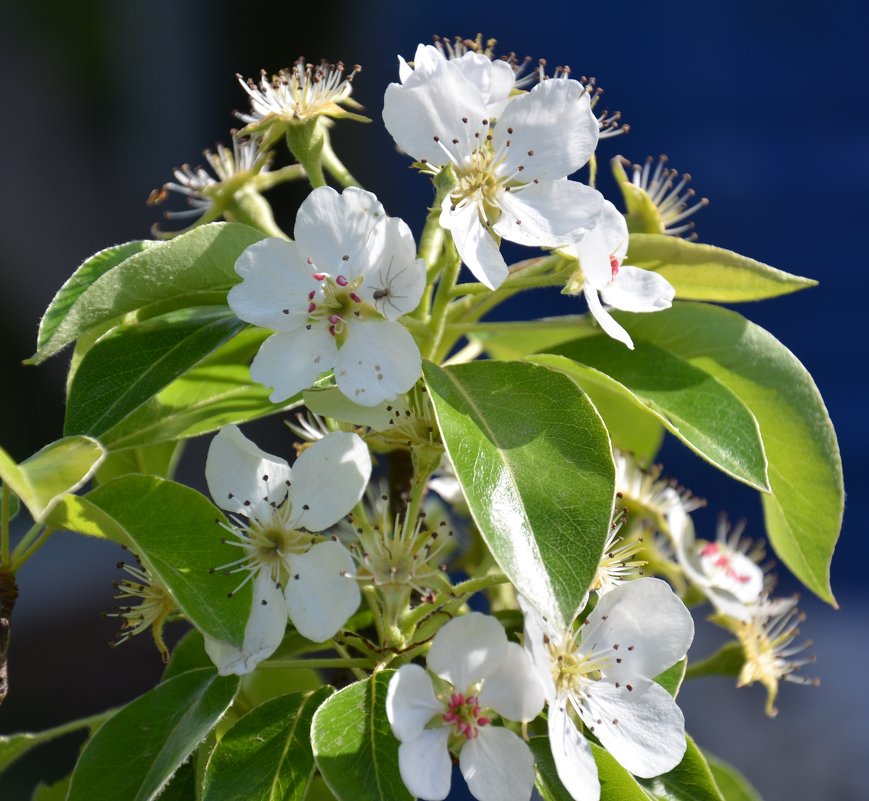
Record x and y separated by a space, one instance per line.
14 504
178 533
671 679
188 654
354 746
732 784
126 368
705 272
536 467
266 755
616 784
194 269
77 284
12 746
42 479
159 459
514 340
217 392
134 755
726 661
690 402
53 792
690 780
804 512
182 786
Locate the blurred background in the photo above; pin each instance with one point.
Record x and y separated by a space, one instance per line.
763 102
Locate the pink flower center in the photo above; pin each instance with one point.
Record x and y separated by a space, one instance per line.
717 557
614 266
464 715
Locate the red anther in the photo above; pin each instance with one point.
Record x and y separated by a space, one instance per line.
311 294
614 265
450 716
319 276
311 308
709 549
722 561
454 699
332 330
460 698
355 298
341 281
484 721
335 319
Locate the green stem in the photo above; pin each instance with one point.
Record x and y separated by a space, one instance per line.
4 527
264 181
20 556
335 166
32 534
441 300
326 662
355 670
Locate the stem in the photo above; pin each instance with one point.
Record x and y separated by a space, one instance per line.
19 556
441 301
4 526
266 180
31 535
326 662
335 166
345 654
473 585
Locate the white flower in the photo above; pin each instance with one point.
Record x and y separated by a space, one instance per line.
601 253
510 171
479 672
603 673
725 570
333 296
277 512
617 563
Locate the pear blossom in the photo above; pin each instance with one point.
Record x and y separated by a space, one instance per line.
510 170
604 276
602 673
277 511
478 674
333 297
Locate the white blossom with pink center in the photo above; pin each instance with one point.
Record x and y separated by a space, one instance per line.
601 254
478 676
601 675
510 169
277 512
334 297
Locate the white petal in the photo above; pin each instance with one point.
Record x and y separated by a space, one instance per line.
548 214
411 702
614 229
292 362
275 286
476 245
394 277
649 737
494 79
330 226
425 766
498 766
434 106
536 633
329 478
572 754
594 258
513 690
262 634
379 360
609 325
331 402
637 290
468 649
321 592
242 478
648 622
553 131
404 70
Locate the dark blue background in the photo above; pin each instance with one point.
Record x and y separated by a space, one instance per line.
764 103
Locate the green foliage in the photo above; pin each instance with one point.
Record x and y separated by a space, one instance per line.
42 479
134 755
726 661
11 499
804 510
690 780
188 654
732 784
354 747
671 679
194 269
158 459
690 402
127 367
53 792
535 464
704 272
266 755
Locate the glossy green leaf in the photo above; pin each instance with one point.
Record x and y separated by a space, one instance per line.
77 284
804 512
13 746
671 679
217 392
188 654
126 368
182 785
536 467
194 269
514 340
11 499
732 784
134 755
177 533
705 272
42 479
159 459
354 747
52 792
726 661
691 403
266 755
690 780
